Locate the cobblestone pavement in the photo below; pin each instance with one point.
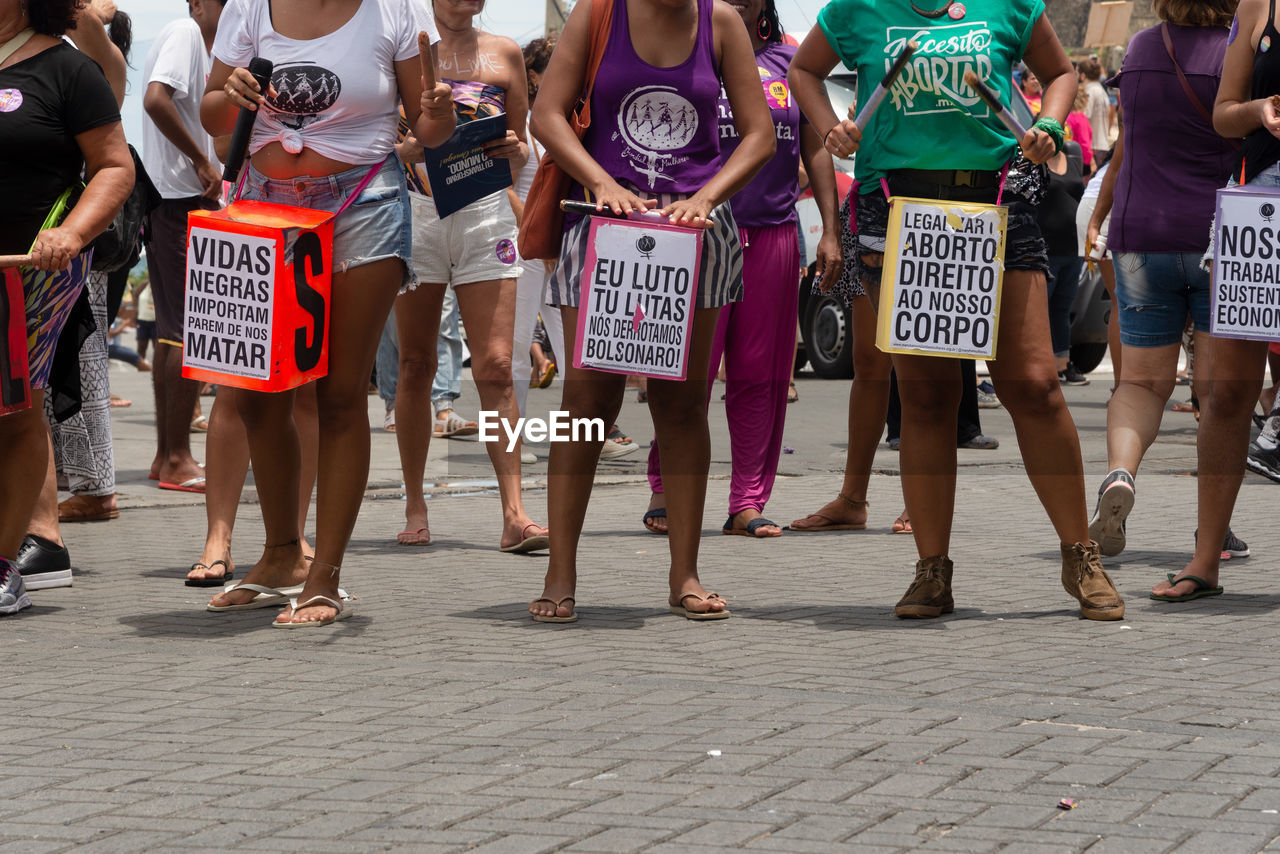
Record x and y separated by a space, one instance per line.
440 718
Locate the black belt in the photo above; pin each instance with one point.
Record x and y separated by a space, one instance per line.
973 179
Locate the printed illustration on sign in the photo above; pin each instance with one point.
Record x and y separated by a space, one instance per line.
933 81
637 303
229 303
1245 302
304 91
946 263
655 121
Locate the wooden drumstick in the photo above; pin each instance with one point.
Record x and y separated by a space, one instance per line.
992 100
428 62
15 260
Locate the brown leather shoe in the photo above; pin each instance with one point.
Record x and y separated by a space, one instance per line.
930 593
1084 578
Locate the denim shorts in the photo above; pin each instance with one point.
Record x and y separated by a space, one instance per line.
1156 291
376 226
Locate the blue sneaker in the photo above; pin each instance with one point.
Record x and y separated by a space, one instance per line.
13 595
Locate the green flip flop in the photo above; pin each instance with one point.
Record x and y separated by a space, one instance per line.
1203 588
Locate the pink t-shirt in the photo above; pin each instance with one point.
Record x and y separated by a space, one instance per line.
1078 129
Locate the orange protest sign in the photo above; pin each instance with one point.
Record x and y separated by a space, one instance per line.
257 296
15 370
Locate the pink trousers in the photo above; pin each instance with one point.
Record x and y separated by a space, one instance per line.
757 338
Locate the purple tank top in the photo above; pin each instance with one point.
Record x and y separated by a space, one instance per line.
654 129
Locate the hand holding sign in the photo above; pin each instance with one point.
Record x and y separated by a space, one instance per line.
693 212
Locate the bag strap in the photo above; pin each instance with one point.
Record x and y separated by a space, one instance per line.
601 24
15 44
1186 84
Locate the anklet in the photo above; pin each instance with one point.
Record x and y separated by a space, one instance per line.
334 569
853 502
292 542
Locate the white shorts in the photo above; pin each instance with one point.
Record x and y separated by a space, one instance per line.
476 244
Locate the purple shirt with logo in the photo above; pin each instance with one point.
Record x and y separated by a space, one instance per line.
770 198
652 128
1174 162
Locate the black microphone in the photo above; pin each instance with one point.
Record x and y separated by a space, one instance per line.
261 70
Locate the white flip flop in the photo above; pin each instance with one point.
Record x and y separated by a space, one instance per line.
267 597
342 605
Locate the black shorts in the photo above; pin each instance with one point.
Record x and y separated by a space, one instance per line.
167 263
1024 245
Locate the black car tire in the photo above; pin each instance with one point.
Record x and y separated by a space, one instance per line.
826 327
1086 357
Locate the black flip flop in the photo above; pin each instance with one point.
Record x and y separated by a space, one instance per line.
207 581
1202 589
752 526
656 513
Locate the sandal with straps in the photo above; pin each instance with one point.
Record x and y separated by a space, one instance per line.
228 573
833 524
681 610
343 609
553 618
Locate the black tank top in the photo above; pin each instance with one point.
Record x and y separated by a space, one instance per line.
1260 149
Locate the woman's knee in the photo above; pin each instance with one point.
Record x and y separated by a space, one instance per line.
493 367
418 366
1031 396
1231 398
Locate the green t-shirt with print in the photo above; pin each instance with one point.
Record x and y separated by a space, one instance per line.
919 125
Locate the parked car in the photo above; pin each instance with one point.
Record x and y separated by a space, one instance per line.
826 340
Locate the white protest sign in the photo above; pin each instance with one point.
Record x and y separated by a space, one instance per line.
943 271
229 303
638 293
1245 300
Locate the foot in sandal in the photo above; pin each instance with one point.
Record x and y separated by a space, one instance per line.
320 603
416 530
694 602
843 513
655 516
450 424
902 525
281 566
751 523
524 536
556 604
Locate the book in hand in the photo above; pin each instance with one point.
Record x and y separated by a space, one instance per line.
460 172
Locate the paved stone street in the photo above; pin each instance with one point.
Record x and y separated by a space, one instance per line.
440 718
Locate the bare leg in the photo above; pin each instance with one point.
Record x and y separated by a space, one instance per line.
571 470
1231 372
44 514
178 397
488 312
360 302
680 420
1137 406
226 464
1025 379
24 439
417 327
227 452
868 405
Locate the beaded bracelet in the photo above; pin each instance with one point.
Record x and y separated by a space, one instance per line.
1052 127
